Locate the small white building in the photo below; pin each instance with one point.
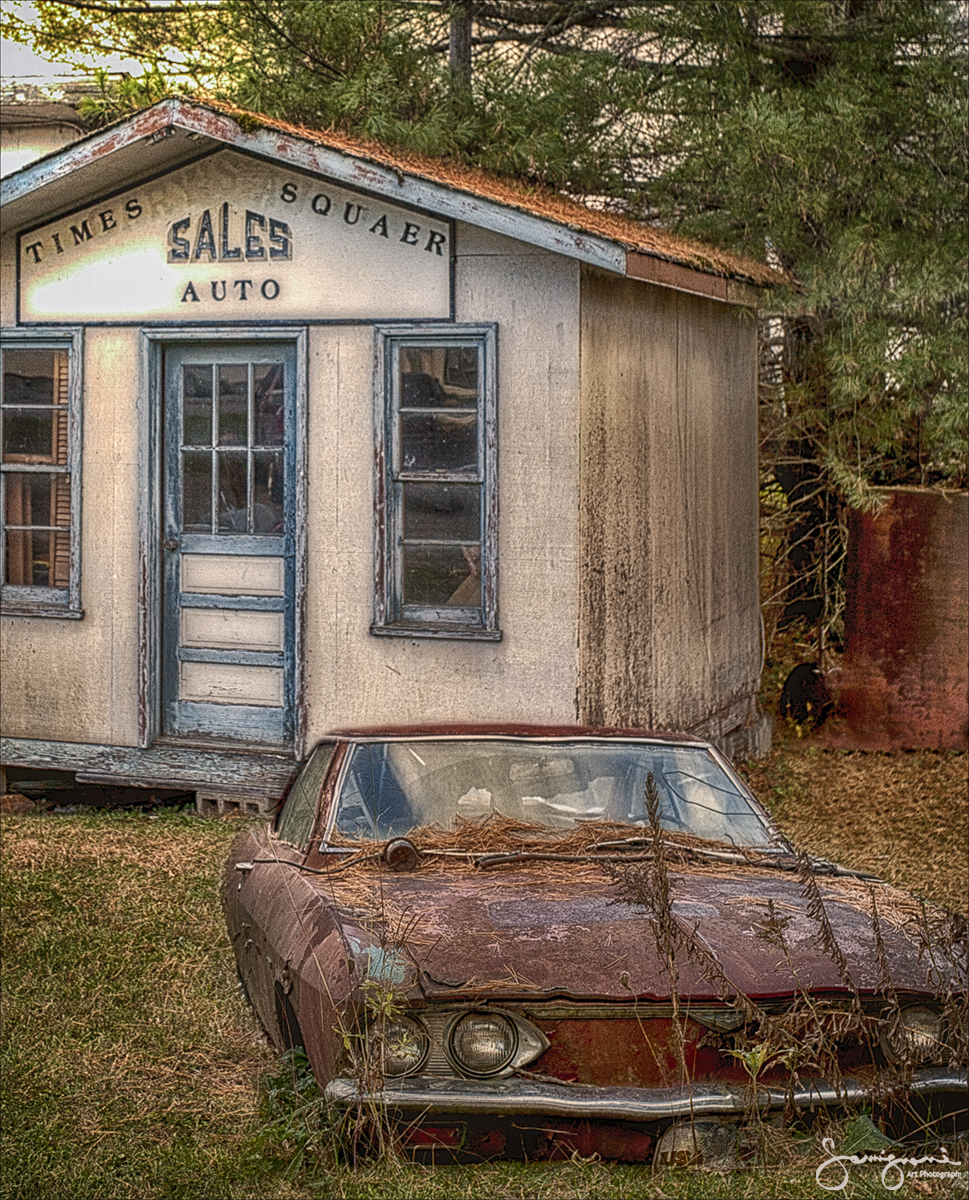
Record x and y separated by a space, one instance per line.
35 120
300 433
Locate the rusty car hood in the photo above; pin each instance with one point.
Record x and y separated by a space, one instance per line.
520 933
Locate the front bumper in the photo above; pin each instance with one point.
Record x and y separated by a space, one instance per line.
523 1097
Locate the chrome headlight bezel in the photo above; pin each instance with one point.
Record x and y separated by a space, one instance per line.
432 1030
916 1036
400 1033
465 1026
527 1042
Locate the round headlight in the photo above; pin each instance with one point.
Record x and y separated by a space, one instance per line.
483 1043
918 1036
404 1047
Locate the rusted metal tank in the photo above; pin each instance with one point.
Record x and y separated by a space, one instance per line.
904 682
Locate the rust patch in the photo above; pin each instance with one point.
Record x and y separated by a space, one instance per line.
904 677
524 932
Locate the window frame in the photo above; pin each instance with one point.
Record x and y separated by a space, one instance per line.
277 829
392 618
25 599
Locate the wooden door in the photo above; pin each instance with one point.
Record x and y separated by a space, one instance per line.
228 543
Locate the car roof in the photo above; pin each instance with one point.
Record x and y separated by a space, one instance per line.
511 729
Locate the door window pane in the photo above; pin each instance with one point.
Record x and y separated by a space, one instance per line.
197 492
249 481
267 484
267 384
233 404
233 492
197 405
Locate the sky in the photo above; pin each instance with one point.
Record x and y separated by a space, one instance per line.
20 62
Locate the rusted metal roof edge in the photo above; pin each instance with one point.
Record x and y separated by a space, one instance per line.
652 268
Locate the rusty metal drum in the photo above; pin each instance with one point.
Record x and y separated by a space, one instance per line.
904 682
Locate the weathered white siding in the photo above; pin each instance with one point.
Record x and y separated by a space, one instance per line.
627 481
77 681
353 678
670 627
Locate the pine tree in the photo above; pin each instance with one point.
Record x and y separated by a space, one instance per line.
829 135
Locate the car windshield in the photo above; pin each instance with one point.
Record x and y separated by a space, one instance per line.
393 787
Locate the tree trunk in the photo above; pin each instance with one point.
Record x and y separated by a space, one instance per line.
459 46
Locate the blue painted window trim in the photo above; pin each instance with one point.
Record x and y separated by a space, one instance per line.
391 617
25 600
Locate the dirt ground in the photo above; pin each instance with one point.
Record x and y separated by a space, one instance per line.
901 816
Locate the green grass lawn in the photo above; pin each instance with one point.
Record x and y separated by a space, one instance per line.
132 1068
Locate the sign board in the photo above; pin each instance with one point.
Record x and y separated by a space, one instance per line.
232 238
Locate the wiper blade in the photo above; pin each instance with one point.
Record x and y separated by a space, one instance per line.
777 859
821 866
643 845
634 849
517 856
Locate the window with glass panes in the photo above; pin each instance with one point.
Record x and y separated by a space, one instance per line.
436 508
39 471
232 448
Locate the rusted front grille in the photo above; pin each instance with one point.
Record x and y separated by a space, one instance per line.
635 1046
626 1051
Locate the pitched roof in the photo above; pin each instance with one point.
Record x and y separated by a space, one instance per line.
538 201
175 131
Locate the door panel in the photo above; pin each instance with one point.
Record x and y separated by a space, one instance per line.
230 683
240 575
228 543
232 629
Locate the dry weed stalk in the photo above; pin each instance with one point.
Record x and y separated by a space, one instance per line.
811 1037
649 886
943 940
817 910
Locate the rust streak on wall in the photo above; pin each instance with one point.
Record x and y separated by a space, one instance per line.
669 625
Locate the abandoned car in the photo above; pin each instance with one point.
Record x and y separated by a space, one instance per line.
509 940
